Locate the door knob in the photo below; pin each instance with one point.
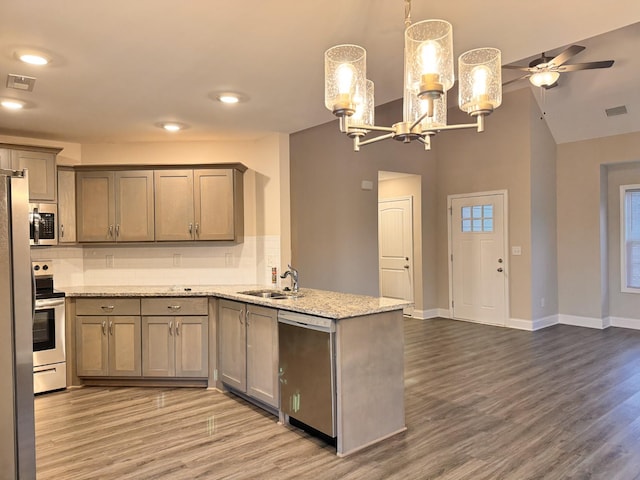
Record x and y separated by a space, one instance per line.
406 266
500 269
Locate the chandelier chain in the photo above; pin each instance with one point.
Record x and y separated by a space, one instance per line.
407 13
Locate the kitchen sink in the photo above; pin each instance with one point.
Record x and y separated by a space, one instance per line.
272 294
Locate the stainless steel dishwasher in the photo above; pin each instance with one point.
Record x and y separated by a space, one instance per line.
307 370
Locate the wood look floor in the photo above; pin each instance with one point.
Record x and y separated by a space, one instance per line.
481 403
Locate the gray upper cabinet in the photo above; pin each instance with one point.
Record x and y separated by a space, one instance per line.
115 206
199 204
41 163
66 205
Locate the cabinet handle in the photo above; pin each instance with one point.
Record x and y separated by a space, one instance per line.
241 315
174 307
191 229
110 231
177 327
111 327
104 328
61 231
107 307
171 327
197 229
118 230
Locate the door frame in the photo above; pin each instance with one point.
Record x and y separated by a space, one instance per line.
407 310
505 235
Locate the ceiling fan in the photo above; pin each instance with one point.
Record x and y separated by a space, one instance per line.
545 71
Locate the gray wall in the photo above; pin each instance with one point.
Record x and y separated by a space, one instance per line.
586 225
334 222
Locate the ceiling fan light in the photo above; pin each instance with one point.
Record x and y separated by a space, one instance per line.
544 79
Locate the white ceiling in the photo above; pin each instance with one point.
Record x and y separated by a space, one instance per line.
121 67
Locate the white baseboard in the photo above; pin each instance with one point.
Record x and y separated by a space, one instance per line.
578 321
431 313
532 325
633 323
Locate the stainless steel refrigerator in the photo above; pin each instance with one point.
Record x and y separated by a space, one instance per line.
17 426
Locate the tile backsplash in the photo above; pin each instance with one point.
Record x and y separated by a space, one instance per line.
249 262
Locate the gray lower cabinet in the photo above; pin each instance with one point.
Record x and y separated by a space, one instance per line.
107 335
175 335
248 350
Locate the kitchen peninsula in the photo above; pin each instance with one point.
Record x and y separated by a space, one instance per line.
367 365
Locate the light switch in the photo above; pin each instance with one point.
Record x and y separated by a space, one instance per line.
516 250
366 185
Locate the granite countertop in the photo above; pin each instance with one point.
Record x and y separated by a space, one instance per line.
322 303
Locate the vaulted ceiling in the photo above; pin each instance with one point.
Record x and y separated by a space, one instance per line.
120 68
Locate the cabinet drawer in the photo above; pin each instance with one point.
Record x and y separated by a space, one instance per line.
175 306
108 306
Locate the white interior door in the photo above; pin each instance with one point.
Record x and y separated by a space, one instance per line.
478 262
395 247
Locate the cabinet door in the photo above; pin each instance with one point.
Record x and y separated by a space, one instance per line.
5 159
192 338
95 197
66 206
125 356
262 355
174 205
214 204
158 347
134 206
92 347
232 343
42 173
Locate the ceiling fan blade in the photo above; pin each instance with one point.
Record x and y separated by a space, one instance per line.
566 54
515 80
517 67
585 66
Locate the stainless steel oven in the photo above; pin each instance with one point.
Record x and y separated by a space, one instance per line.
43 225
49 355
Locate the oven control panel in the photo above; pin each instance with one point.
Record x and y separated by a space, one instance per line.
42 268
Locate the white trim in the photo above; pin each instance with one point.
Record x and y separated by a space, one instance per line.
505 235
623 236
532 325
578 321
621 322
431 313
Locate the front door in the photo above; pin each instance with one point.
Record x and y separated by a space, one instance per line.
478 263
395 244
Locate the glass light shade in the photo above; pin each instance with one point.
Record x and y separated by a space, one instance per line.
345 76
428 57
544 79
480 82
365 107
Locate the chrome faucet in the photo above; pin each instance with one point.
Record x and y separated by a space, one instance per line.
294 277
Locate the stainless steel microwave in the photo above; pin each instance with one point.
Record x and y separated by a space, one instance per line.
43 226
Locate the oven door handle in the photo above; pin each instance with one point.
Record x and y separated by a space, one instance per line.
33 297
48 303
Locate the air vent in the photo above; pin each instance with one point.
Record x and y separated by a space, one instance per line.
20 82
612 112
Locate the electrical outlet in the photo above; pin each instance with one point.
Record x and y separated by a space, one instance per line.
542 302
109 261
177 260
228 259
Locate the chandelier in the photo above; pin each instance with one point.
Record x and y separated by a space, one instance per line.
428 75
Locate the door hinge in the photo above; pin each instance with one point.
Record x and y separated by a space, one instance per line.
450 210
452 257
451 303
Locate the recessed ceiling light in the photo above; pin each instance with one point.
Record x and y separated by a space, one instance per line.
228 98
12 104
33 59
172 126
